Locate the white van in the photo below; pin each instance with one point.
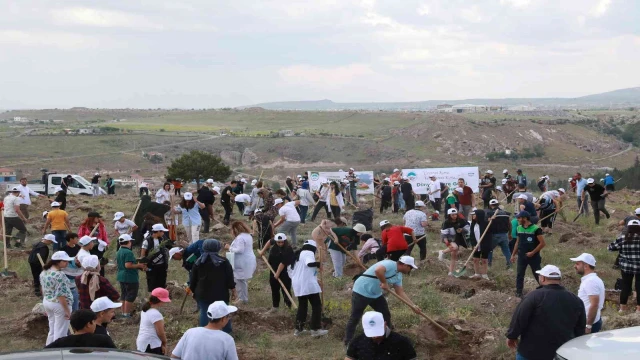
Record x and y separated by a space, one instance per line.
620 344
79 186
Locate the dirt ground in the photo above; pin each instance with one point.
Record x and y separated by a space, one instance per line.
476 312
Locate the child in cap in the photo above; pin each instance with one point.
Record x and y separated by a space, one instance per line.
42 249
128 274
152 337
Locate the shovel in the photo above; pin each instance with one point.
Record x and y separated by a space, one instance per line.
5 272
396 295
284 288
579 211
464 268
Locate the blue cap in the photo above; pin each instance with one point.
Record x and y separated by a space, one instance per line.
523 214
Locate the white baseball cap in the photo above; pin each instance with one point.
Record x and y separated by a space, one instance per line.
97 173
638 211
489 172
257 211
387 179
505 171
452 211
50 237
408 260
254 181
360 228
277 201
209 181
124 238
494 202
15 189
288 177
570 179
188 196
216 189
504 181
396 170
102 245
174 251
606 174
103 303
633 222
61 255
90 261
384 222
590 181
396 183
499 188
420 203
220 309
523 196
55 204
561 190
45 213
405 178
352 169
243 180
459 189
299 176
585 258
119 215
158 227
280 237
550 271
311 242
373 324
86 240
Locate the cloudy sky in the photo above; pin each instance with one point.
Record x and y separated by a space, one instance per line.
211 53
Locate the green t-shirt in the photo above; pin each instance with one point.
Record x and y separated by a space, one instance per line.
125 275
346 237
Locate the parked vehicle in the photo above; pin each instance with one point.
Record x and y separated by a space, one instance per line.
79 354
79 186
620 344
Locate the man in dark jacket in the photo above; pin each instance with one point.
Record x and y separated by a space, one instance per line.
546 318
42 249
500 231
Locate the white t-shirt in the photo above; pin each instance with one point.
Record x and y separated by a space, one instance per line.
82 253
10 202
243 198
591 285
147 334
435 186
201 343
289 211
124 227
303 277
25 191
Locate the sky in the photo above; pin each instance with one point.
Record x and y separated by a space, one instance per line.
211 53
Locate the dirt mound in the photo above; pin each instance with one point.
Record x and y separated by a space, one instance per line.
32 326
250 318
462 286
11 283
466 339
175 290
623 321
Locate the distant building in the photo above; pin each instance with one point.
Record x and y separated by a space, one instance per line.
444 108
286 133
463 108
58 121
521 108
21 119
85 131
7 175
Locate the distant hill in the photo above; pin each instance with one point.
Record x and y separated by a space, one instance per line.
617 98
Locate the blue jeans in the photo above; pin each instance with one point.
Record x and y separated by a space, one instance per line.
354 195
303 213
597 326
76 299
60 238
520 357
501 240
204 319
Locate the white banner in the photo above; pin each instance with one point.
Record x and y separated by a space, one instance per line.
365 185
419 178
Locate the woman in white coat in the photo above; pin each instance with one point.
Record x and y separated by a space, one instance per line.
334 200
163 194
244 259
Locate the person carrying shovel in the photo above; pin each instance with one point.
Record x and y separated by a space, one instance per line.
368 291
280 256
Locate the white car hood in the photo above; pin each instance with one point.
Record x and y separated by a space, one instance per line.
610 345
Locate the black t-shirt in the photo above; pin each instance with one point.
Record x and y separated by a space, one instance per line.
83 340
278 255
101 330
95 179
225 197
39 248
406 189
595 192
71 251
500 225
393 347
205 196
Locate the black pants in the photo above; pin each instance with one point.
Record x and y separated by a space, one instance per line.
627 280
240 207
176 191
409 204
276 289
111 190
206 219
335 210
385 204
227 212
316 311
36 269
157 350
316 210
156 279
422 244
396 206
548 222
17 223
610 187
524 261
437 204
358 304
597 207
395 255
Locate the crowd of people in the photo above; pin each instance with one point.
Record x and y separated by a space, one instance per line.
76 295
